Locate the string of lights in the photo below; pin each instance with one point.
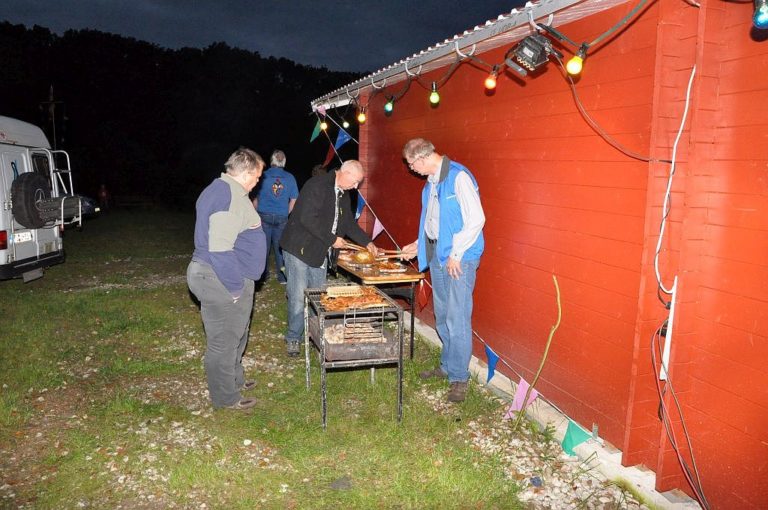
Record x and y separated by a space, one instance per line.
528 55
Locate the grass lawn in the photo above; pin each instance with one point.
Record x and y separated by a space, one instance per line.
104 405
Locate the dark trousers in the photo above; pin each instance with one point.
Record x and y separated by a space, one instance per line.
226 332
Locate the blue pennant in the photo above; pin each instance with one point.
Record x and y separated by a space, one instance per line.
360 205
493 358
342 138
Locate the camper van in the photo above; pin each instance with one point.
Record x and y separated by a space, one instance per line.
37 201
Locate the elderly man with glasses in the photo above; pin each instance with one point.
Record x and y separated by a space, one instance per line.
320 220
450 243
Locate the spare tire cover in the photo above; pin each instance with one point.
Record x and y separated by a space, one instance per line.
27 191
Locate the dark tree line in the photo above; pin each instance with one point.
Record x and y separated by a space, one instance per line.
152 121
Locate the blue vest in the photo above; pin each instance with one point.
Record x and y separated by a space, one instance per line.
451 221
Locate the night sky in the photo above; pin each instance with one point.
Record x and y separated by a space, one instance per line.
360 35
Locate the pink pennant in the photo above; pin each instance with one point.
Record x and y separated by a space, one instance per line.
377 228
517 402
321 110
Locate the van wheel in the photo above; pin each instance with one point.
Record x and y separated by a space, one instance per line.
27 191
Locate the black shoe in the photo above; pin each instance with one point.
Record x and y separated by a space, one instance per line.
293 349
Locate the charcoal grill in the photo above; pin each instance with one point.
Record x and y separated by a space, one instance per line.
351 338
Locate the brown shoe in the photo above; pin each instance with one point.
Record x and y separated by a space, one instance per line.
435 373
457 392
248 386
242 404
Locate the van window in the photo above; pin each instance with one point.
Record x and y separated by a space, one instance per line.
41 165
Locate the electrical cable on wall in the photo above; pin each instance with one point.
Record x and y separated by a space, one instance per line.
668 194
663 373
668 426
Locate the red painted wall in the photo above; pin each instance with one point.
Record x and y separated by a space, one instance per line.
560 200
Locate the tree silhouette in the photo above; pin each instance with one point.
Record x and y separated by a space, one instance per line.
152 121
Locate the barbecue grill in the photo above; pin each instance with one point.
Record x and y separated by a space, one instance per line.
353 337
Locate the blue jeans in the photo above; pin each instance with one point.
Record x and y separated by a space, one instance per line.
226 332
273 225
300 277
452 300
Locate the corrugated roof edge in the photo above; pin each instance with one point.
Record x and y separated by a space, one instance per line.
506 29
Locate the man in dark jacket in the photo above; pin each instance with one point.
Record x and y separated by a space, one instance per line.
320 220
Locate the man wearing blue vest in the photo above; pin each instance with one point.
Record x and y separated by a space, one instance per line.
274 201
450 243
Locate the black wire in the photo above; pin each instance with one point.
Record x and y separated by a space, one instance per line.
621 22
666 304
664 417
596 127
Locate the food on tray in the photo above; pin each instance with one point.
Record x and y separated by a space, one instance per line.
391 267
353 333
346 255
335 291
363 257
368 298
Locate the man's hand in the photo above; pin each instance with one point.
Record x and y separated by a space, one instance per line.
409 251
454 268
339 243
372 248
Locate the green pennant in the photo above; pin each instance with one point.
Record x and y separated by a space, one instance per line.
316 131
574 436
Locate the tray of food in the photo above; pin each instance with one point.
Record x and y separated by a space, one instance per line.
367 297
391 267
355 340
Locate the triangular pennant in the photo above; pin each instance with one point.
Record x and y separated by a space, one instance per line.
378 228
329 156
321 110
315 131
342 138
423 296
493 358
522 389
574 436
360 205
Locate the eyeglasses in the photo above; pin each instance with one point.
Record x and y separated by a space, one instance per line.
410 165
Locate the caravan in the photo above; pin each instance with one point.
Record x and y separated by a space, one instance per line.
37 201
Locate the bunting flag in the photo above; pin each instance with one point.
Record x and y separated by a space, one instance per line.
517 401
574 436
342 138
360 205
422 298
315 132
378 228
493 358
329 156
321 110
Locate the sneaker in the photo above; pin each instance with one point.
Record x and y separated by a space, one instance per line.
248 385
435 373
242 404
457 392
293 349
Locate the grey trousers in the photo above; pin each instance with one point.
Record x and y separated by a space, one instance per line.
226 331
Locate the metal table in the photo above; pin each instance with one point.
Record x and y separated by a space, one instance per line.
392 284
385 320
